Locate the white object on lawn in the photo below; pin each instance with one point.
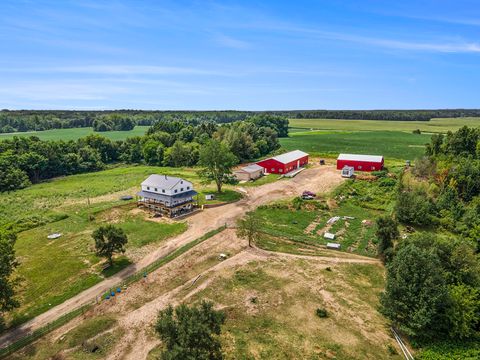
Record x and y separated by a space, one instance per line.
333 220
54 236
333 246
329 236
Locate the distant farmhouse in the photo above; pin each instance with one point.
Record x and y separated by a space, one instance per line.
250 172
167 195
283 164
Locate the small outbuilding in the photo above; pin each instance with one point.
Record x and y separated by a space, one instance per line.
250 172
285 163
360 162
334 246
348 171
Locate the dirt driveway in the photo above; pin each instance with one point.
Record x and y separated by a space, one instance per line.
320 179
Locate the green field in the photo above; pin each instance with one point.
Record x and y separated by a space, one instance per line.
391 144
432 126
393 139
77 133
75 206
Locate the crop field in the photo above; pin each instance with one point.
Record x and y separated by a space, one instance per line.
75 206
432 126
393 139
391 144
77 133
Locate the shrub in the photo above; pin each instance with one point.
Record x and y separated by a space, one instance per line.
321 313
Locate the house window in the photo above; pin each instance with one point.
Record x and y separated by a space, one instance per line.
373 167
188 187
163 190
359 167
181 189
281 170
175 190
156 189
148 187
273 169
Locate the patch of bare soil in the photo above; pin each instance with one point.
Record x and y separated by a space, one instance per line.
313 225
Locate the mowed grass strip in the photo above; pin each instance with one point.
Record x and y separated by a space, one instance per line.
77 133
434 125
391 144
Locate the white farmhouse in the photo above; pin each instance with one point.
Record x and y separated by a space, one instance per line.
167 195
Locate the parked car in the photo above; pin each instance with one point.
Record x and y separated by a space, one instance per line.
308 195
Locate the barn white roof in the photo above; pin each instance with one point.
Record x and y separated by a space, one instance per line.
357 157
290 156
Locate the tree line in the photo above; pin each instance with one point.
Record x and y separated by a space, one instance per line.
433 276
24 161
39 120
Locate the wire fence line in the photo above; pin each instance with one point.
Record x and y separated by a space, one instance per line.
55 324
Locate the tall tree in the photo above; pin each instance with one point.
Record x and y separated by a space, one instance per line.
108 241
190 332
249 227
387 233
7 266
415 292
217 161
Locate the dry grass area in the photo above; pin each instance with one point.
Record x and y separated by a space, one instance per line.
270 300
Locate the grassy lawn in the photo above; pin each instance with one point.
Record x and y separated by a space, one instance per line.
391 144
93 332
434 125
69 262
266 179
226 196
75 206
76 133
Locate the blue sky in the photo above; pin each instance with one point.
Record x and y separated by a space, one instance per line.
245 55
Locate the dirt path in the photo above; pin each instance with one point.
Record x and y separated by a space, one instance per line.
136 343
319 179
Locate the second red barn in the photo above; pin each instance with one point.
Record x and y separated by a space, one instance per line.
360 162
283 164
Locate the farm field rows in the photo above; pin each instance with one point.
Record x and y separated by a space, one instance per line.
432 126
393 139
77 133
390 144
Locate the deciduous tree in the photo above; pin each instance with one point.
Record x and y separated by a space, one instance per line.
217 161
190 332
108 241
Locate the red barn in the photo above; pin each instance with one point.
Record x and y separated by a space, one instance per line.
284 163
360 162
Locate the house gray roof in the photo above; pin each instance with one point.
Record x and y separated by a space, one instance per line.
290 156
357 157
163 181
251 168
